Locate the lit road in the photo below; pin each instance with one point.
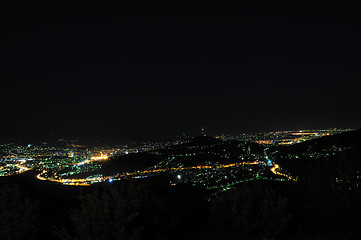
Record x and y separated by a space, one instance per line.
276 169
92 159
88 181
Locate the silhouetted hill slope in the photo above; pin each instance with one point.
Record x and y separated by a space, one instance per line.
130 162
202 150
122 163
207 143
203 140
197 151
327 159
345 139
205 149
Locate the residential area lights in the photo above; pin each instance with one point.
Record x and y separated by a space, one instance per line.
73 165
89 181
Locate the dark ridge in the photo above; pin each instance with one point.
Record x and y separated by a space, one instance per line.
324 159
345 139
204 140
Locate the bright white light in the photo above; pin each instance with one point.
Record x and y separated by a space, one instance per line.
126 152
110 180
179 177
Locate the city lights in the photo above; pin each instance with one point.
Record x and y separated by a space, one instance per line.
232 162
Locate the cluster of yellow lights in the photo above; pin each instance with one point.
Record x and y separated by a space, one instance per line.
96 158
276 170
78 182
21 169
264 142
300 136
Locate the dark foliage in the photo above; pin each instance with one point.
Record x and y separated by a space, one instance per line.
249 212
18 214
134 211
340 157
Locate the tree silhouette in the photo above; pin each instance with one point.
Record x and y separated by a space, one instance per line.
249 213
109 214
133 210
17 214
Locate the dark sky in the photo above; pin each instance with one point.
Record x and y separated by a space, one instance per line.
119 74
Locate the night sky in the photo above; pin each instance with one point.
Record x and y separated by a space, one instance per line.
119 74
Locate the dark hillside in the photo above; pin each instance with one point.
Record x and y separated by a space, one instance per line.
327 159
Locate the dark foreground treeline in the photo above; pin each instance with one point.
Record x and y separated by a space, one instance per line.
148 210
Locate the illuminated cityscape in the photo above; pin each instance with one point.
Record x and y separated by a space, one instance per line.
180 122
217 163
